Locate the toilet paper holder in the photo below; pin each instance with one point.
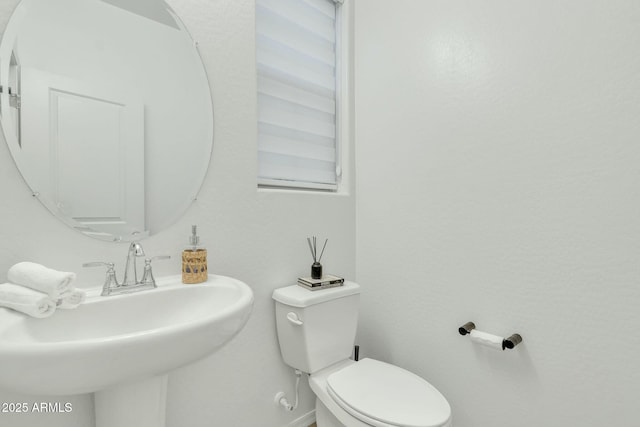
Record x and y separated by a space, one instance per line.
507 343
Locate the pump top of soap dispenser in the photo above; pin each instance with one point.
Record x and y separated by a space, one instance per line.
194 239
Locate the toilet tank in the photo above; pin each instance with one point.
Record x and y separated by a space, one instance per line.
316 328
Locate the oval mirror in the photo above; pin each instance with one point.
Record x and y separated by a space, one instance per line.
106 108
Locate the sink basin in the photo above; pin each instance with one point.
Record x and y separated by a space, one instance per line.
109 341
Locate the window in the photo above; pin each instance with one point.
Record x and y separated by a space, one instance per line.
297 45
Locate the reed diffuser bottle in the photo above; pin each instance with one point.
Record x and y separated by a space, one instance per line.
316 267
194 260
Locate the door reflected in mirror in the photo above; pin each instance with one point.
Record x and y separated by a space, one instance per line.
107 112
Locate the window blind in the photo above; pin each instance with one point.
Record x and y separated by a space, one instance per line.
296 46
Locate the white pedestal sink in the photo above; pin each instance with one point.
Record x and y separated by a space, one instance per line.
122 347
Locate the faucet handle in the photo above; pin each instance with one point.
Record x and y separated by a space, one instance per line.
98 264
147 277
110 280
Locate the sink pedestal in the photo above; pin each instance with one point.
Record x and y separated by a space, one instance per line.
140 404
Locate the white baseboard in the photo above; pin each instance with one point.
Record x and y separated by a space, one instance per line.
304 421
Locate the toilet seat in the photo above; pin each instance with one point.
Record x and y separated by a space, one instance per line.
384 395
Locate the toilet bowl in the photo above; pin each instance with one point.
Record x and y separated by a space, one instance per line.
316 332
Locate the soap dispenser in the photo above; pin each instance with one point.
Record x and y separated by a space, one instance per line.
194 260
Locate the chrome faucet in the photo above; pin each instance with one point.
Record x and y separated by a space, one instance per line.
130 271
130 282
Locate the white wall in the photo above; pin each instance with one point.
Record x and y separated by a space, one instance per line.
498 180
256 236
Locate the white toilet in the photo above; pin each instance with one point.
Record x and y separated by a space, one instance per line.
316 331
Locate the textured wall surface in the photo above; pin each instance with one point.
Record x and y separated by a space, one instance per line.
255 236
498 180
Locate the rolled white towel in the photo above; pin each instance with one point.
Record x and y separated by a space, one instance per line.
27 301
73 299
56 284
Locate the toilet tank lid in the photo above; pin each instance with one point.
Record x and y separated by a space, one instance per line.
297 296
